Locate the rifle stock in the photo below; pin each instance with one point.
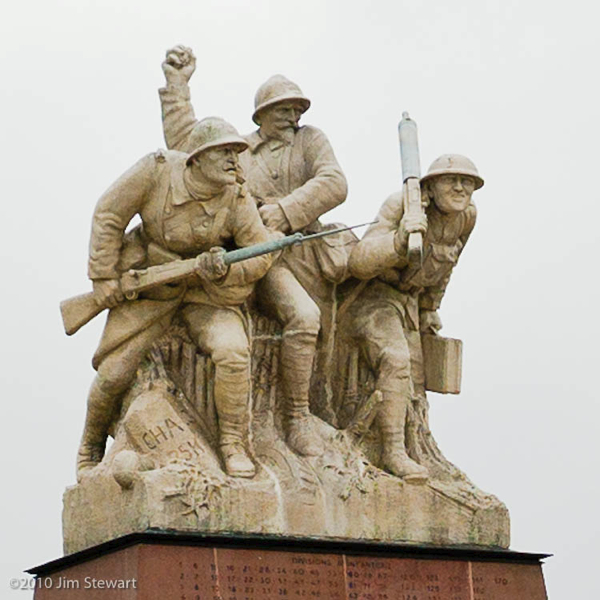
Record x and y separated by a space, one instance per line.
78 311
413 207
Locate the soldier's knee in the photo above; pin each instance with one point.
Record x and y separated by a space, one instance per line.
395 363
232 354
114 377
306 318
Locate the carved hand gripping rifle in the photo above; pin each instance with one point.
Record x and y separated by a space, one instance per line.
79 310
411 188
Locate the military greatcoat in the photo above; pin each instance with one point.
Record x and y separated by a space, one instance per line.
174 225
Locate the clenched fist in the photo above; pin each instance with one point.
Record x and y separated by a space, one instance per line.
108 292
211 265
179 65
274 218
429 321
409 225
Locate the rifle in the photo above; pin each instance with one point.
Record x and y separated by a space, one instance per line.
411 188
79 310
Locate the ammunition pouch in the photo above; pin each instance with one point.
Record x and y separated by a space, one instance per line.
332 253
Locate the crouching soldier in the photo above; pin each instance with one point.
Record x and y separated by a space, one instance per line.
190 204
401 301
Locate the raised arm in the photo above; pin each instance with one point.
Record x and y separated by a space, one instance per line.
177 113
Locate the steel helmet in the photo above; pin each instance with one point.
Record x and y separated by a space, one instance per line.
278 89
212 132
449 164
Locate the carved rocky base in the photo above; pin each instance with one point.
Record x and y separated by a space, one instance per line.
178 483
158 565
163 469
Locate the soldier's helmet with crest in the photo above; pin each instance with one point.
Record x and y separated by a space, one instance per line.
278 89
453 164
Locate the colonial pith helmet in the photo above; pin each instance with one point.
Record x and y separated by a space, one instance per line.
278 89
450 164
212 132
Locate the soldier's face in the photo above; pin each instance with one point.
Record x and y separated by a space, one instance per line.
219 165
281 117
452 193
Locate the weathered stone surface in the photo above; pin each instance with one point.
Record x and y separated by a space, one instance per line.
442 361
180 483
254 383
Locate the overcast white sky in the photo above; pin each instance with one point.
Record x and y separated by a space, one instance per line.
512 84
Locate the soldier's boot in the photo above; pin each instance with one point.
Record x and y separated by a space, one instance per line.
301 436
392 420
100 412
232 436
235 457
297 355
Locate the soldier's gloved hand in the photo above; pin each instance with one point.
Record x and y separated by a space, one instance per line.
179 65
273 217
429 321
211 265
409 225
108 292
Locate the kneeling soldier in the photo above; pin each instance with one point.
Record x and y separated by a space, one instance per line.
190 204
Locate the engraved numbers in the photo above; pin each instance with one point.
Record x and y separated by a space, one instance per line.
245 574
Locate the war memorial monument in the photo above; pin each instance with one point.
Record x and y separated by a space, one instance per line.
263 373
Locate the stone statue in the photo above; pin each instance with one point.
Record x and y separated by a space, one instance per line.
282 392
189 203
294 177
400 301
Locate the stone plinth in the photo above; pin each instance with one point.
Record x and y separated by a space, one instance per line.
163 470
157 565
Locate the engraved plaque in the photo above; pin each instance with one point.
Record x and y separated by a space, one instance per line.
500 581
406 579
177 573
206 572
266 575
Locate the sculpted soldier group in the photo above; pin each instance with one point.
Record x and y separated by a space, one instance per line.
213 189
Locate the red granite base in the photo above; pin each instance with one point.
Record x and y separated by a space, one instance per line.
172 567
